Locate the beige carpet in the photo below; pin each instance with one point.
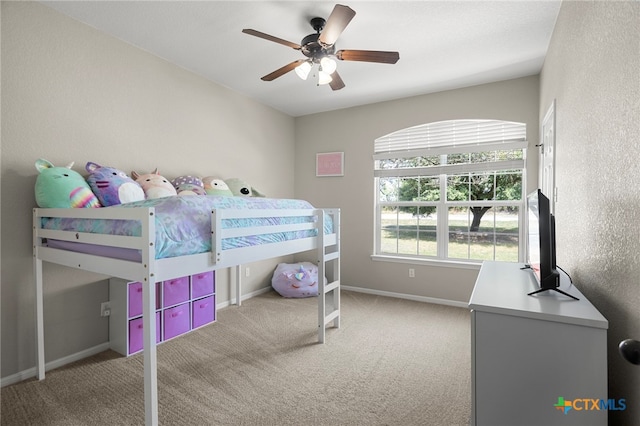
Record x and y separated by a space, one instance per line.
392 362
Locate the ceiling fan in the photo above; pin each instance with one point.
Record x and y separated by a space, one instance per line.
319 48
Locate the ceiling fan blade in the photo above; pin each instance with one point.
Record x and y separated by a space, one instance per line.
368 56
282 71
336 81
336 23
271 38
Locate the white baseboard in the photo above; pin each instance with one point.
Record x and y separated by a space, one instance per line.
435 300
31 372
244 297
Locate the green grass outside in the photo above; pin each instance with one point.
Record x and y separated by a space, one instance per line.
462 244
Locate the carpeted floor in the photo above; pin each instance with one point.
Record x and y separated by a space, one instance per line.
392 362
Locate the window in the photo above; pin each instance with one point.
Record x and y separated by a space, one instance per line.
451 190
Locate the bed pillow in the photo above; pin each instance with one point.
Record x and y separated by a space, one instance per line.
296 279
61 187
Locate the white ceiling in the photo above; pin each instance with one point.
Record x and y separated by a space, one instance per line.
442 44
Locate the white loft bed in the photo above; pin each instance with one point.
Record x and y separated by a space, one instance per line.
148 269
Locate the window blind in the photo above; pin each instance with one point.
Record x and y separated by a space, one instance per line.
451 169
451 136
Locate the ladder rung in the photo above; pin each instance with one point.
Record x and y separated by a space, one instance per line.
331 256
331 286
333 315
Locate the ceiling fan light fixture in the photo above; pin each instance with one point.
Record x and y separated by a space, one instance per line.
303 70
324 77
328 65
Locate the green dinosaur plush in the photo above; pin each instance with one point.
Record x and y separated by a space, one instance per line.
240 188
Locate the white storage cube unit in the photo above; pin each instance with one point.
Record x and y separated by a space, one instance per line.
182 304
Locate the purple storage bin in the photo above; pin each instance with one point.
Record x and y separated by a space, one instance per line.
175 291
136 334
202 284
204 311
135 298
176 321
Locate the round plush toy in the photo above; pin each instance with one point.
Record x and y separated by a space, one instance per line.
240 188
216 186
296 280
154 185
61 187
188 185
112 186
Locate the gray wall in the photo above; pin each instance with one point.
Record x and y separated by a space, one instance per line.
353 131
71 93
592 71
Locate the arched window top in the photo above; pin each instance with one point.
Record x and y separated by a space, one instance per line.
453 134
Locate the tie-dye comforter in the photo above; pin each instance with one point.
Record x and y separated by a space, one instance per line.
183 224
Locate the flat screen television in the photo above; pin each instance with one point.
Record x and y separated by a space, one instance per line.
541 253
541 243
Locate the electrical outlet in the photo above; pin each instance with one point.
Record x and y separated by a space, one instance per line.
412 273
247 271
105 309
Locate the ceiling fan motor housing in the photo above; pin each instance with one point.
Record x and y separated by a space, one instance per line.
311 47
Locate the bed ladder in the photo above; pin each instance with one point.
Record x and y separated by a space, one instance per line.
329 268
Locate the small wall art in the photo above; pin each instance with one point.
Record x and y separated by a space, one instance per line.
330 164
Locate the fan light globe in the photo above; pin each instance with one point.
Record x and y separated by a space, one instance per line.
324 77
303 70
328 65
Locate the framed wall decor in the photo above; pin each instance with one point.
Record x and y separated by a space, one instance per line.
330 164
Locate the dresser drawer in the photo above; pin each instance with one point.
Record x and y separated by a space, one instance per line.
176 321
202 284
203 311
175 291
135 298
136 333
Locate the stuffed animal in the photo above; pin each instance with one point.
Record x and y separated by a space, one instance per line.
154 185
216 186
188 185
296 280
112 186
241 188
61 187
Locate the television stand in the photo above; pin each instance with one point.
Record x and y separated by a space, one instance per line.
553 289
527 266
526 352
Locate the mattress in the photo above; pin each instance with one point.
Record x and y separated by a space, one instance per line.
183 225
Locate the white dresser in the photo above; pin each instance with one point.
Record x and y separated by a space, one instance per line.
529 351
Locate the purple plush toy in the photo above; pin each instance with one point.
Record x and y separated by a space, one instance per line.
188 185
296 280
112 186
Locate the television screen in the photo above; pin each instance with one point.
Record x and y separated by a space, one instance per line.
541 253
